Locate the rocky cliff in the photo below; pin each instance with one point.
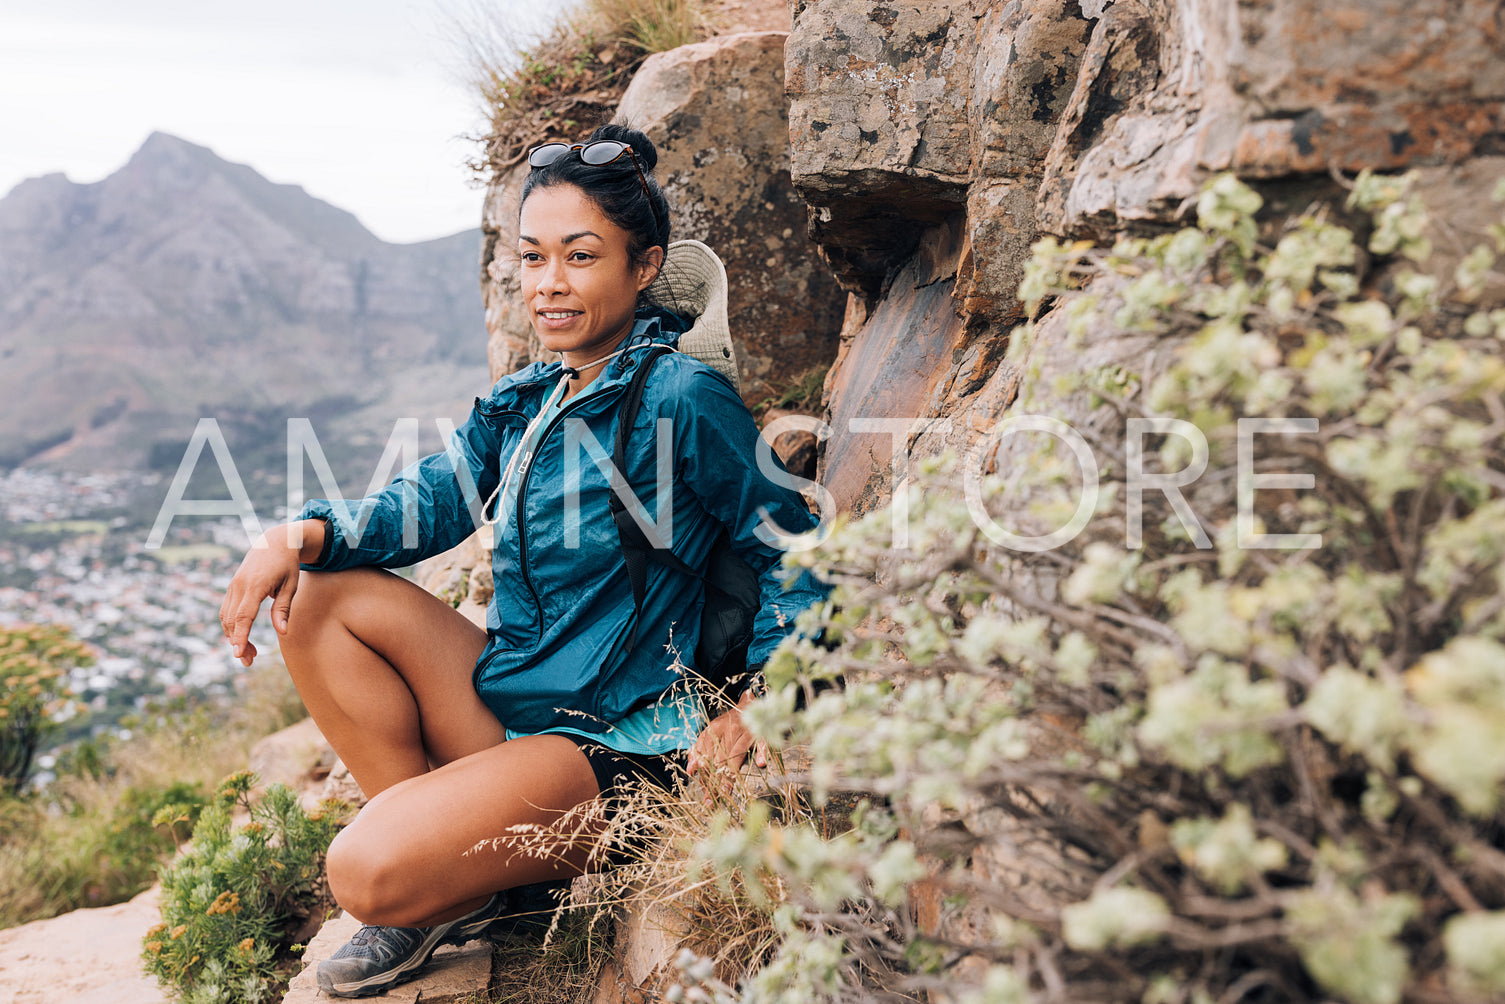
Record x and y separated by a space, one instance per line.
934 142
930 144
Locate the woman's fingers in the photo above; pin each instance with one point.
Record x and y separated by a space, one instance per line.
721 748
282 602
270 569
238 630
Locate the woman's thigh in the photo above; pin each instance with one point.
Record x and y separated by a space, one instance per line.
452 836
338 618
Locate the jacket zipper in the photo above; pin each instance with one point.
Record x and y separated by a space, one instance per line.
522 509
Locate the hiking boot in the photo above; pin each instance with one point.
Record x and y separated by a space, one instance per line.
379 957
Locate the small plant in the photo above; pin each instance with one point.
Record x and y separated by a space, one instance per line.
803 393
650 26
235 902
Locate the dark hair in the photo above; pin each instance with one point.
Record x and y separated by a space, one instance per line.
615 188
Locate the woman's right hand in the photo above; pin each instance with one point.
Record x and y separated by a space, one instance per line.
269 569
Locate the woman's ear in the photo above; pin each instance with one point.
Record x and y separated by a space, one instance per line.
649 267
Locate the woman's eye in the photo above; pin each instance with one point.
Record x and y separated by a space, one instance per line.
580 256
531 256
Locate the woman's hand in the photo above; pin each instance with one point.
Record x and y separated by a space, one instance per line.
723 745
270 568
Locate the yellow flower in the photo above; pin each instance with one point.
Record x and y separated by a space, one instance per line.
247 945
225 902
177 932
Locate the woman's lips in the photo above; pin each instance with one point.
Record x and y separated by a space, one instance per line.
557 318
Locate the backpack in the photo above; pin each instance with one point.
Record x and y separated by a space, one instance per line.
732 592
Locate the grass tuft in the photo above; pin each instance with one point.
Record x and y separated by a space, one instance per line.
561 82
646 864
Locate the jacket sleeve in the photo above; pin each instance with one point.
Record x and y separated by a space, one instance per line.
716 442
430 506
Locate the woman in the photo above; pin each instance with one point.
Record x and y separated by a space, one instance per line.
461 735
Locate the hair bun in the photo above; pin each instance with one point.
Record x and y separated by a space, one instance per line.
641 145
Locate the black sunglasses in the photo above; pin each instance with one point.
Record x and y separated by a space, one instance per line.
597 153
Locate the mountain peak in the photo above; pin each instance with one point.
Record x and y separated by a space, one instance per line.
169 170
165 156
164 141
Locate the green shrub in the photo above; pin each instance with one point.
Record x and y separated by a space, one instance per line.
34 664
233 902
1158 771
92 853
88 838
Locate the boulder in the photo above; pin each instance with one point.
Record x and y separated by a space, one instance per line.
716 111
878 122
298 756
1172 93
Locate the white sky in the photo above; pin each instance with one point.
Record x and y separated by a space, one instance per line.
361 102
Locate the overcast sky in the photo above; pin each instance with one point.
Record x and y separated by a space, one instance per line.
362 102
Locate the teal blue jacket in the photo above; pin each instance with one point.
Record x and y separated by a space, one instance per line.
561 615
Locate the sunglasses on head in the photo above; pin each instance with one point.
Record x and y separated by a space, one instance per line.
597 153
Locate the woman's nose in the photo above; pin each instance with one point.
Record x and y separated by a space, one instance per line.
553 279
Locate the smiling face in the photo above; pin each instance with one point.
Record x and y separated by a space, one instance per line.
579 282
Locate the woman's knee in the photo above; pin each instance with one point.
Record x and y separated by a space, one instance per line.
319 604
373 878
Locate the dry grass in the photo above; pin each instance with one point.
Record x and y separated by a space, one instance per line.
562 81
564 971
645 865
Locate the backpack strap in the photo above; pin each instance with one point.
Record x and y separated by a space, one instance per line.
732 587
636 547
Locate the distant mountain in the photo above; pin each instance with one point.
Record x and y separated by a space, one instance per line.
185 286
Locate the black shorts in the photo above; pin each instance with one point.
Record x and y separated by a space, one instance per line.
615 772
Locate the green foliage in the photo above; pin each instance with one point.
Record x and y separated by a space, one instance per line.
91 837
34 664
802 394
1267 767
233 901
91 852
650 26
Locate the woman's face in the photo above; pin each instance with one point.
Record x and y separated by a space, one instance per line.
579 283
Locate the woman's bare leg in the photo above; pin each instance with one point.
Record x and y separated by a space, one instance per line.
410 859
384 668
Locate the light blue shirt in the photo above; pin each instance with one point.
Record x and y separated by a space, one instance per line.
670 724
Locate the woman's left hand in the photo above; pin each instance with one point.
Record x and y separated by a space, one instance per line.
723 745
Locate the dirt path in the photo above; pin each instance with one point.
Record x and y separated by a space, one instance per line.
83 957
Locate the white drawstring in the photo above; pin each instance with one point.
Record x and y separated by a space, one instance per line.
514 465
